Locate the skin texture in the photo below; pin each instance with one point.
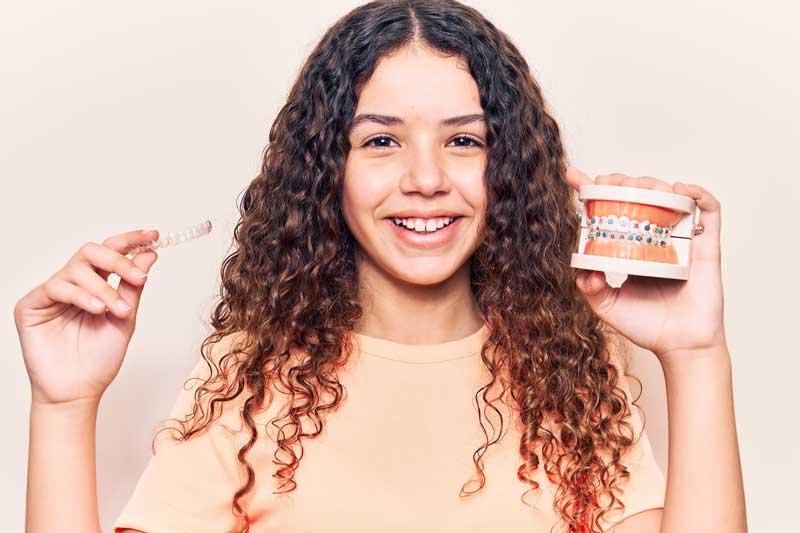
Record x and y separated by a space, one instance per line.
409 295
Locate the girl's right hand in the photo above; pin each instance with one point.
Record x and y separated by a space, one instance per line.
73 349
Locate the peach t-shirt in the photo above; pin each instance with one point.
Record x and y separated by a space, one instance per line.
393 458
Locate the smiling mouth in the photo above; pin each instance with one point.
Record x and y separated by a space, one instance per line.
423 228
423 239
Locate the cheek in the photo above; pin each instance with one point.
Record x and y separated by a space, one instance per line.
361 198
473 191
473 187
364 190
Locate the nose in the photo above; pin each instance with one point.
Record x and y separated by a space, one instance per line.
426 173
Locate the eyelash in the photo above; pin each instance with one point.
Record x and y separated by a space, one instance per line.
477 144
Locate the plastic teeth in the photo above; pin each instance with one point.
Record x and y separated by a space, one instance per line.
175 238
625 225
625 230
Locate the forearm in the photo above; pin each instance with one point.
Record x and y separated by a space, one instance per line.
705 491
62 483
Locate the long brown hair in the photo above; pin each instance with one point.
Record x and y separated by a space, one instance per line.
290 286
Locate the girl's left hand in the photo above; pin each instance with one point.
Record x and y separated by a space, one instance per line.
666 316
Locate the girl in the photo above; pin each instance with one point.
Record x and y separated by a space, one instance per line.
400 285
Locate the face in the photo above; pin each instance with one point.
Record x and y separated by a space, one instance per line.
413 163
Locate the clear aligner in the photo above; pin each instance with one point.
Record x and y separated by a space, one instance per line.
173 239
622 229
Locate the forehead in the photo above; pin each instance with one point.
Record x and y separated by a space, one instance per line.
415 81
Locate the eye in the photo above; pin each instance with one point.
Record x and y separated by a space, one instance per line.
467 138
475 142
377 138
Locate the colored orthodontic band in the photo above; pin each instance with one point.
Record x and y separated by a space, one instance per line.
622 229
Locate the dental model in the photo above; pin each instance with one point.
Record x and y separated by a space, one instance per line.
631 230
174 239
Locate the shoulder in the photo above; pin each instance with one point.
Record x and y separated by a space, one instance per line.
212 371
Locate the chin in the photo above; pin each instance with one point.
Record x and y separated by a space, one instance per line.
424 275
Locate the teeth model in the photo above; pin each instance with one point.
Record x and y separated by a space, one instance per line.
632 230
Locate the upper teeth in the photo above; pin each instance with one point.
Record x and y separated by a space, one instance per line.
420 224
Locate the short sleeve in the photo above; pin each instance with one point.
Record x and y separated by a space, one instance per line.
187 485
646 486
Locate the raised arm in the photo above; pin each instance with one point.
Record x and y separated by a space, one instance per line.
74 334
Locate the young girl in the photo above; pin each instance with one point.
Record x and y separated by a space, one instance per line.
401 344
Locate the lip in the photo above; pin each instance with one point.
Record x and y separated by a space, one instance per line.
426 240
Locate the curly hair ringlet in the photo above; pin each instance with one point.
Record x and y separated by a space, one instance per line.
290 287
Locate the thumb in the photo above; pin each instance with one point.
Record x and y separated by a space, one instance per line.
577 178
132 293
598 293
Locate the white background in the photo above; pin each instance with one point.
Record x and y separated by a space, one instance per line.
120 116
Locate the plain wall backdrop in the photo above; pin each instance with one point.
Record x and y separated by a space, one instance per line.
120 116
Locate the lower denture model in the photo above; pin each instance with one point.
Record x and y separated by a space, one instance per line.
631 230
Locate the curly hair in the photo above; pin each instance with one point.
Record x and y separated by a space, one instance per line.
289 288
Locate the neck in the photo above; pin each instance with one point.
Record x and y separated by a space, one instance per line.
412 313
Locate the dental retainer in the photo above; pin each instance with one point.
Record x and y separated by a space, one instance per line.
634 231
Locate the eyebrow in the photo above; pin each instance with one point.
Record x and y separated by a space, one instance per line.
389 120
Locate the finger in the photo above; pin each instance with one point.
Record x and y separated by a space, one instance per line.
107 260
647 182
610 179
576 178
58 289
81 273
124 242
598 293
132 293
710 209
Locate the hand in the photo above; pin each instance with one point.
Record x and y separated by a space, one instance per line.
73 349
665 316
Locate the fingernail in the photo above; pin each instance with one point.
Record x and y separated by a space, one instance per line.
122 306
138 273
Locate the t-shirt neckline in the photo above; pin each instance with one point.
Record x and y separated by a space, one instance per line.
469 346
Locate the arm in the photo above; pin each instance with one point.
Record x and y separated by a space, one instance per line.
62 486
705 491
